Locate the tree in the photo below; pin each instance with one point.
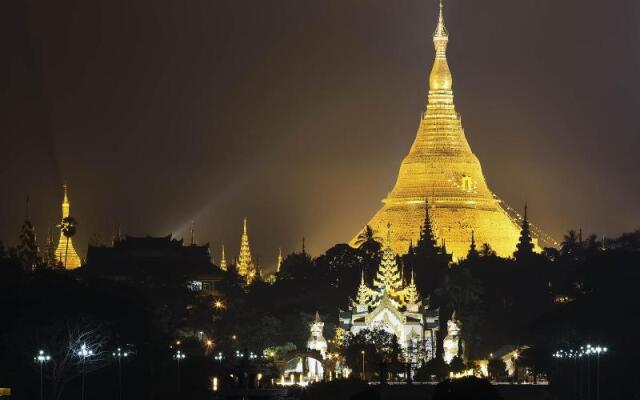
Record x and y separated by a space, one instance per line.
571 245
68 227
28 248
457 365
524 248
434 368
497 369
368 242
377 345
487 251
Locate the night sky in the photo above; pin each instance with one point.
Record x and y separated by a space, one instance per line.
298 113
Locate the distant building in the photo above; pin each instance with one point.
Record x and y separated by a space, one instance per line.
393 306
152 259
65 253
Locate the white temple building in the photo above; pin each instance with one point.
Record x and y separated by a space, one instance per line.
394 306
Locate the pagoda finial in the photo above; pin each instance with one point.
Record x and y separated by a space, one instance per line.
193 234
441 29
244 227
65 201
223 260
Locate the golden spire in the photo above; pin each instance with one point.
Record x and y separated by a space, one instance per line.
279 262
65 252
223 260
364 293
245 263
440 78
66 206
388 276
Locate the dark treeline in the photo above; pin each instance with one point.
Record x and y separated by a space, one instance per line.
583 292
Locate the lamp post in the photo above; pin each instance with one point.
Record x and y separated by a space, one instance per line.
179 356
363 375
83 353
597 351
219 357
41 358
119 354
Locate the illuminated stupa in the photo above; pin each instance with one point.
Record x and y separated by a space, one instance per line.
246 267
66 254
441 171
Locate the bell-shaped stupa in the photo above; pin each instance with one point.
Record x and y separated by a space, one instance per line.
442 172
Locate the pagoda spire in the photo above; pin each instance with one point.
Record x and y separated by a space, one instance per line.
388 276
524 248
427 244
245 263
223 260
440 78
364 293
411 295
473 252
65 252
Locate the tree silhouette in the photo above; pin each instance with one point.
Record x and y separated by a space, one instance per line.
68 228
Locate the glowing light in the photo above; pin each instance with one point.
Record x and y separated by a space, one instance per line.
215 384
42 357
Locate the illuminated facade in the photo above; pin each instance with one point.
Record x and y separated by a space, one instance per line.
441 170
65 253
246 267
394 306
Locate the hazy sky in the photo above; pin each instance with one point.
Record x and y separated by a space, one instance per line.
297 113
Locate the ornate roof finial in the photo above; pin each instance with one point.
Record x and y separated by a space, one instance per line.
244 229
441 29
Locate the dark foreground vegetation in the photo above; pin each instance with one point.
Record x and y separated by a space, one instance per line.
585 292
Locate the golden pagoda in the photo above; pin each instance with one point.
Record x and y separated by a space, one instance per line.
441 172
65 253
245 265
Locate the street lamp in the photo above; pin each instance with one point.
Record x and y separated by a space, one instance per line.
119 354
218 357
178 357
41 358
362 353
84 352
